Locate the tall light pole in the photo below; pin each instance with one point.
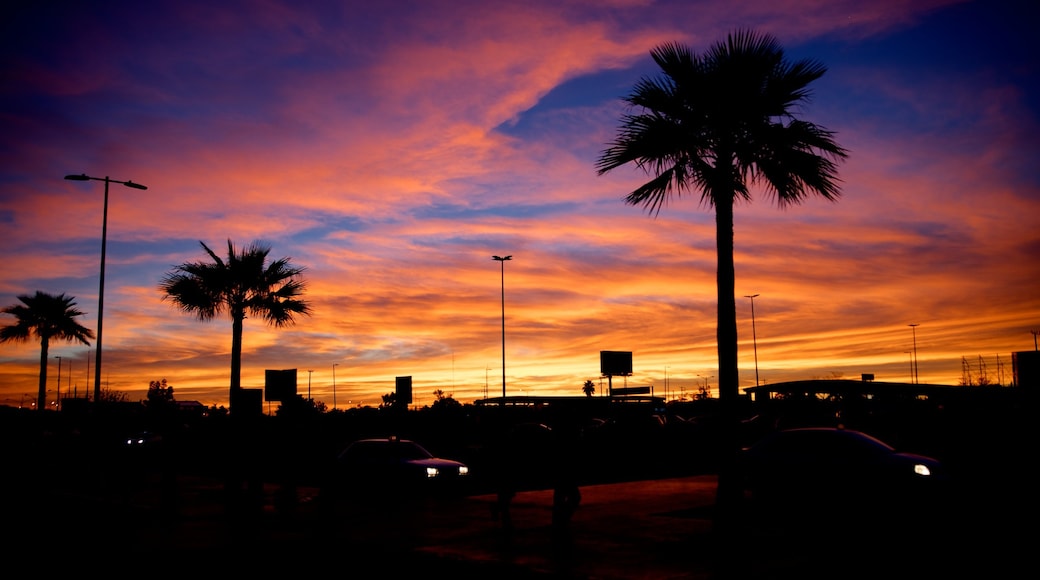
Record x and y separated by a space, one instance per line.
503 261
309 384
334 365
101 284
917 377
754 335
911 353
1035 332
86 389
58 404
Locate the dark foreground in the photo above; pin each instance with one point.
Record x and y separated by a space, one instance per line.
73 503
638 529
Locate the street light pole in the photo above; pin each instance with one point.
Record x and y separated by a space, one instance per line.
754 335
1035 332
911 353
101 283
309 384
58 404
503 261
917 377
334 385
666 383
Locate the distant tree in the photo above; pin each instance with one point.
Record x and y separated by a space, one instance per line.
244 284
719 123
298 406
160 394
589 388
45 317
389 400
442 401
111 396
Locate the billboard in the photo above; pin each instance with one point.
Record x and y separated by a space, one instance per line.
404 390
615 363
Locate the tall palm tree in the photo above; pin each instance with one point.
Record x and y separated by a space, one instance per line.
244 284
45 317
719 123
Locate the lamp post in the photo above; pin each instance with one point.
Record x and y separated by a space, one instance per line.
503 261
1035 332
86 389
101 284
754 335
334 365
309 384
911 353
57 405
917 377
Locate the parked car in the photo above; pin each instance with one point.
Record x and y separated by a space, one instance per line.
143 439
392 464
837 469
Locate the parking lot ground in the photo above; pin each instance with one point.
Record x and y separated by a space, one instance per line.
639 529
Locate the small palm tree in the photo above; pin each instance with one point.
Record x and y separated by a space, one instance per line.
718 123
45 317
588 388
244 284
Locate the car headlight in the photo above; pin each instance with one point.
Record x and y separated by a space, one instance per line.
432 472
922 469
463 470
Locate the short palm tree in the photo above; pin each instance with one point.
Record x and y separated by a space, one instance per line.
719 123
244 284
46 317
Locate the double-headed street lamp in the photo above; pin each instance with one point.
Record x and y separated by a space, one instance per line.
503 261
101 286
754 335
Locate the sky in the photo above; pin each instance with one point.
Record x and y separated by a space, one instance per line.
392 148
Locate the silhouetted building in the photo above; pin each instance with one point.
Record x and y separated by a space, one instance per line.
1026 367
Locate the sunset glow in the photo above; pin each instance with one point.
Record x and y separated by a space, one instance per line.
391 149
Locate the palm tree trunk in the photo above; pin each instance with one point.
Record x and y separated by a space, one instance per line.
728 493
727 315
236 354
41 396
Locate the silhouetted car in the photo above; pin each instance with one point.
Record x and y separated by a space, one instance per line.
392 464
143 439
836 468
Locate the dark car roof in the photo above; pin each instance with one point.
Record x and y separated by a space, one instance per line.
387 447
